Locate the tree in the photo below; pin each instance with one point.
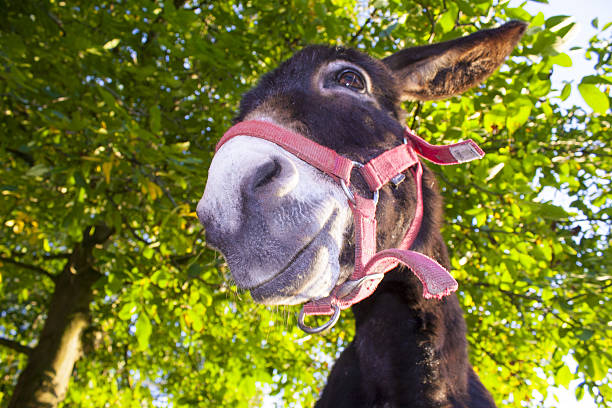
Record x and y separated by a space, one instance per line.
111 110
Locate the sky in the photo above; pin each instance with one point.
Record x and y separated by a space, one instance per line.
583 12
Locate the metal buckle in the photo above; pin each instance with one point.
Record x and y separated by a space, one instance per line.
314 330
350 285
349 194
398 179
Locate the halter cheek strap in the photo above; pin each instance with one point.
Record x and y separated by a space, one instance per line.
370 266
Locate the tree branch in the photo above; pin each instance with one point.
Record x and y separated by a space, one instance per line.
15 346
33 268
46 257
126 222
58 22
501 363
533 298
415 117
56 256
601 288
22 155
441 175
363 26
432 20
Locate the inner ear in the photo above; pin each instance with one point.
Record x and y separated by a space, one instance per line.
449 68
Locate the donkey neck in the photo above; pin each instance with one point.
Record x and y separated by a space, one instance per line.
409 348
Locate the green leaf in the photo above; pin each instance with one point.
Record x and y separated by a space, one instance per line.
563 376
387 31
557 21
538 19
518 14
562 60
111 44
127 311
380 3
148 253
496 117
565 92
37 170
594 97
580 391
143 331
597 79
196 315
492 172
108 98
155 119
481 218
585 334
599 370
447 20
549 211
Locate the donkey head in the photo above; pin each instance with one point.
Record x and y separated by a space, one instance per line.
283 226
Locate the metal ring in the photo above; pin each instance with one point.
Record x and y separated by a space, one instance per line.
347 191
349 194
313 330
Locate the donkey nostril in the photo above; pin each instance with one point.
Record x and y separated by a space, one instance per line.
273 179
266 173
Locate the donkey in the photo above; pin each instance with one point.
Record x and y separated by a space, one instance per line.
286 209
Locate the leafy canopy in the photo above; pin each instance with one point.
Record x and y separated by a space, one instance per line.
110 112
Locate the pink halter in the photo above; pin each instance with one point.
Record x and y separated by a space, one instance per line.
370 266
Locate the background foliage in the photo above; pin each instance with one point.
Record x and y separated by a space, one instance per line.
110 112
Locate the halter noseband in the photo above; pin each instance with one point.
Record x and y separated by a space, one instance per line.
370 266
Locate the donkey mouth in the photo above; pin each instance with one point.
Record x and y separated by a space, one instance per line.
293 260
306 275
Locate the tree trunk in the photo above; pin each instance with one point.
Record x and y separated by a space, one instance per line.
44 381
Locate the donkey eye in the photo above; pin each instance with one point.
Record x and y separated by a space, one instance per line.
352 80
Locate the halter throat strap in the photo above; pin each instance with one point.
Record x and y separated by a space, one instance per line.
370 265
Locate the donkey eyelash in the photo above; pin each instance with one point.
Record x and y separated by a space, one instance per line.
351 79
344 76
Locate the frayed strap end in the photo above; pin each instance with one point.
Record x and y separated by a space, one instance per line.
437 281
447 291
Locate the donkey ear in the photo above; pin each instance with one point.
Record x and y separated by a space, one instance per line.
441 70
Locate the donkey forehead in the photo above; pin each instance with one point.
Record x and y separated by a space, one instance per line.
298 74
300 94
